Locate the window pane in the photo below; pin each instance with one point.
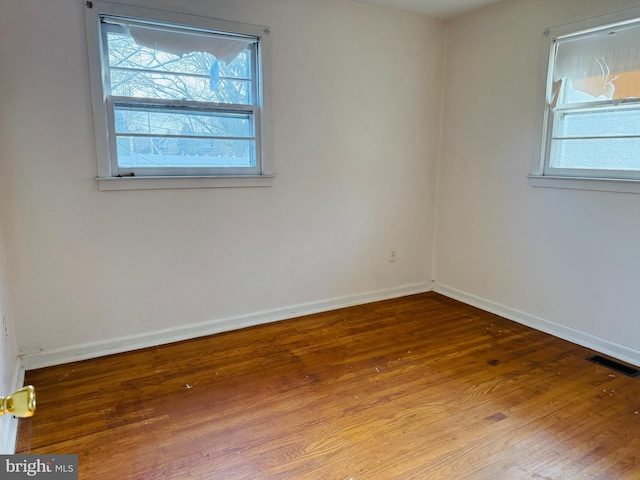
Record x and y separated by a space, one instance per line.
154 152
604 65
138 71
605 122
239 68
601 154
156 121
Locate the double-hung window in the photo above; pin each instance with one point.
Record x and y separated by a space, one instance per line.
177 97
593 102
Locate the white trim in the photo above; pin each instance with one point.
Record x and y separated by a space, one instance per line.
584 183
185 332
157 183
9 427
594 23
601 345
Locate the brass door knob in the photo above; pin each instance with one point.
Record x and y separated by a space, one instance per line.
19 404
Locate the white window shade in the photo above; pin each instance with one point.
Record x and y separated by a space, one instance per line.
604 64
224 48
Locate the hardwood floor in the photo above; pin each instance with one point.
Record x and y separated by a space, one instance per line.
421 387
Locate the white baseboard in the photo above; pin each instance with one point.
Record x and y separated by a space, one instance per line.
9 427
601 345
185 332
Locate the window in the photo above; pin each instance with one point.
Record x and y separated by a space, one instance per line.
592 117
179 101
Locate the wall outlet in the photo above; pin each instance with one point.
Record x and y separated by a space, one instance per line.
393 255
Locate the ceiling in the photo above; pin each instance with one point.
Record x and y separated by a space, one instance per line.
436 8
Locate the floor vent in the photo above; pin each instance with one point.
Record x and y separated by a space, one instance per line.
614 365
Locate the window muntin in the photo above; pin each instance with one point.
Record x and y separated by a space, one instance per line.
176 95
593 103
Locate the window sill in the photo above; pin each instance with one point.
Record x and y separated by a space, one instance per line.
162 183
581 183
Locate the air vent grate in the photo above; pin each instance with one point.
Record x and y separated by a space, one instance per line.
614 365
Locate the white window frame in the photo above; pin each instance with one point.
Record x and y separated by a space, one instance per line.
108 176
545 176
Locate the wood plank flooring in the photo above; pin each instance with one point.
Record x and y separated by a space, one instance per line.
421 387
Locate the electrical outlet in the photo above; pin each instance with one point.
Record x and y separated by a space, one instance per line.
393 255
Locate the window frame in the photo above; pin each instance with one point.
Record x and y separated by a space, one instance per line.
543 175
109 177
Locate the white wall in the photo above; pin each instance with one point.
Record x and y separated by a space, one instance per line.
561 259
356 101
10 373
355 98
